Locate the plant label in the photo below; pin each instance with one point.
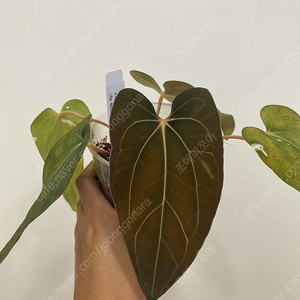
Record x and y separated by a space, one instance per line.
114 83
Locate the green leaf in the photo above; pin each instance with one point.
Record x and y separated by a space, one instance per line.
71 193
227 123
145 80
58 170
173 88
166 178
49 127
279 146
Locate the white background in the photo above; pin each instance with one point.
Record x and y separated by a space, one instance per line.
255 259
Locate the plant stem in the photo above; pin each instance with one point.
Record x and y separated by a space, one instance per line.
237 137
70 112
160 100
98 150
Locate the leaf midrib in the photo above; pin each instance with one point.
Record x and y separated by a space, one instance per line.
163 127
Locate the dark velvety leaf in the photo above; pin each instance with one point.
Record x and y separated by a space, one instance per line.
48 127
279 146
59 167
166 178
145 80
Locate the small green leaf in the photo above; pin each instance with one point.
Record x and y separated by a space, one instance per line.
227 123
145 80
48 127
166 178
58 170
279 146
173 88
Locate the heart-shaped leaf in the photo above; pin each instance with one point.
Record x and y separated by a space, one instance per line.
48 127
173 88
166 178
59 167
279 146
145 80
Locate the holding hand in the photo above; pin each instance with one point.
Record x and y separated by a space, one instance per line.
104 271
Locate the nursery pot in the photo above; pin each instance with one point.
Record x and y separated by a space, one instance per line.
100 132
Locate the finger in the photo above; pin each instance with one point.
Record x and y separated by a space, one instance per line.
89 190
90 171
80 210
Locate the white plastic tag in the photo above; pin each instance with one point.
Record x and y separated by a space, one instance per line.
114 83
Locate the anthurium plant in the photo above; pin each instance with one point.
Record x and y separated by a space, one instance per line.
166 174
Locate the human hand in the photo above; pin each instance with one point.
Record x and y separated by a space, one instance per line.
103 267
